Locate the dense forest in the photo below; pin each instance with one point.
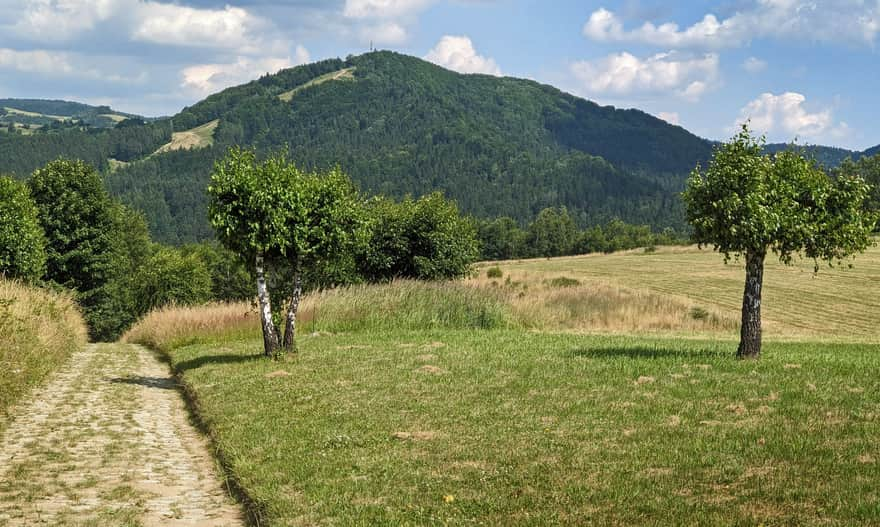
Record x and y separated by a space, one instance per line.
399 126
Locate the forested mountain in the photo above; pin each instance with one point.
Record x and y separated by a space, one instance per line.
38 114
398 125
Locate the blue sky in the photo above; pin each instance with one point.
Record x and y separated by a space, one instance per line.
797 69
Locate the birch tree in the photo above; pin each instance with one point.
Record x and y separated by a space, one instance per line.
272 212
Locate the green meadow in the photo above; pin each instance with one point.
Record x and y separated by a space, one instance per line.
525 399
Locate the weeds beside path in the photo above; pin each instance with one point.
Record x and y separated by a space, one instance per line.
107 442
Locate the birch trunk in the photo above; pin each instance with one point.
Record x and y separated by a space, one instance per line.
750 332
290 325
270 334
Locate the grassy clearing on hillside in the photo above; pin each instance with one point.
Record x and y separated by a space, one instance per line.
344 74
198 137
490 427
838 303
38 331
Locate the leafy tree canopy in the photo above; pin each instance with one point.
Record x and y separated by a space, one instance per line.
22 242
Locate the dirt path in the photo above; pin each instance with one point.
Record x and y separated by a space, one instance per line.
107 442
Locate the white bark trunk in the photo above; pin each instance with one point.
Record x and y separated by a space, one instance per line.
270 334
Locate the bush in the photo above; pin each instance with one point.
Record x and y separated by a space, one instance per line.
494 272
22 241
564 281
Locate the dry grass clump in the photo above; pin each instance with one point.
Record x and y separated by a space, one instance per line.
175 326
539 301
39 329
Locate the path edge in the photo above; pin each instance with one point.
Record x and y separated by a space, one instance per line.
255 514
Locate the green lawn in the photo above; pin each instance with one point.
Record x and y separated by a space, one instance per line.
520 428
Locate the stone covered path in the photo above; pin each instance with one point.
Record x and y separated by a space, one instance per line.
107 441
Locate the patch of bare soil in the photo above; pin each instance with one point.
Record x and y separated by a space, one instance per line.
108 442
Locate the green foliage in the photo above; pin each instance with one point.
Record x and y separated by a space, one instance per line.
22 241
553 233
749 202
494 272
564 281
868 168
401 127
76 214
231 279
170 277
425 239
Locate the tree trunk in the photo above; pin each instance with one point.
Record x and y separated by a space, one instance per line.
270 334
290 326
750 333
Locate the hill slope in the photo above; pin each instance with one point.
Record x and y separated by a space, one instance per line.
398 125
34 114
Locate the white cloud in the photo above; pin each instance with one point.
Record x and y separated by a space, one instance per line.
832 21
669 117
754 65
229 28
384 33
60 20
785 117
457 53
209 78
624 73
383 8
37 61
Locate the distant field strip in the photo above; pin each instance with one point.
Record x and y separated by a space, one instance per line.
345 74
841 303
198 137
34 114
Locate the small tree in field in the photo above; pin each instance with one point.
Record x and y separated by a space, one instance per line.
748 203
272 211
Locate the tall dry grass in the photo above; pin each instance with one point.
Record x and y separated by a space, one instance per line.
549 301
174 326
527 301
39 329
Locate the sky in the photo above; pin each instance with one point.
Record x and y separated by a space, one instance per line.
796 69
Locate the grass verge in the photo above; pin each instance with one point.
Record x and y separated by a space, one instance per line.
463 426
38 331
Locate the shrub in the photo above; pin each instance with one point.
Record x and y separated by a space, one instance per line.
564 281
494 272
22 241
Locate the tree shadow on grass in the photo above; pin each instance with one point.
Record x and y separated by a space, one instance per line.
162 383
204 360
647 352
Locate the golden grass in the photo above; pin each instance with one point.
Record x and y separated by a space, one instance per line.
38 330
598 306
174 326
198 137
344 74
838 303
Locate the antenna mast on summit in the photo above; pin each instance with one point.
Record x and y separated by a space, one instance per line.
371 46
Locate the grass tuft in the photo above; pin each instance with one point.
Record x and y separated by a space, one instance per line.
39 330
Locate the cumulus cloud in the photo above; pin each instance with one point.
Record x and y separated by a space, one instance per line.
384 33
624 73
36 61
457 53
833 21
208 78
754 65
383 8
61 20
230 28
785 117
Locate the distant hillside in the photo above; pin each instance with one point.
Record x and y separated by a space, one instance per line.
30 115
873 151
398 125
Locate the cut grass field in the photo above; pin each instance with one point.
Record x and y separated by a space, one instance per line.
343 74
38 332
199 137
424 404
